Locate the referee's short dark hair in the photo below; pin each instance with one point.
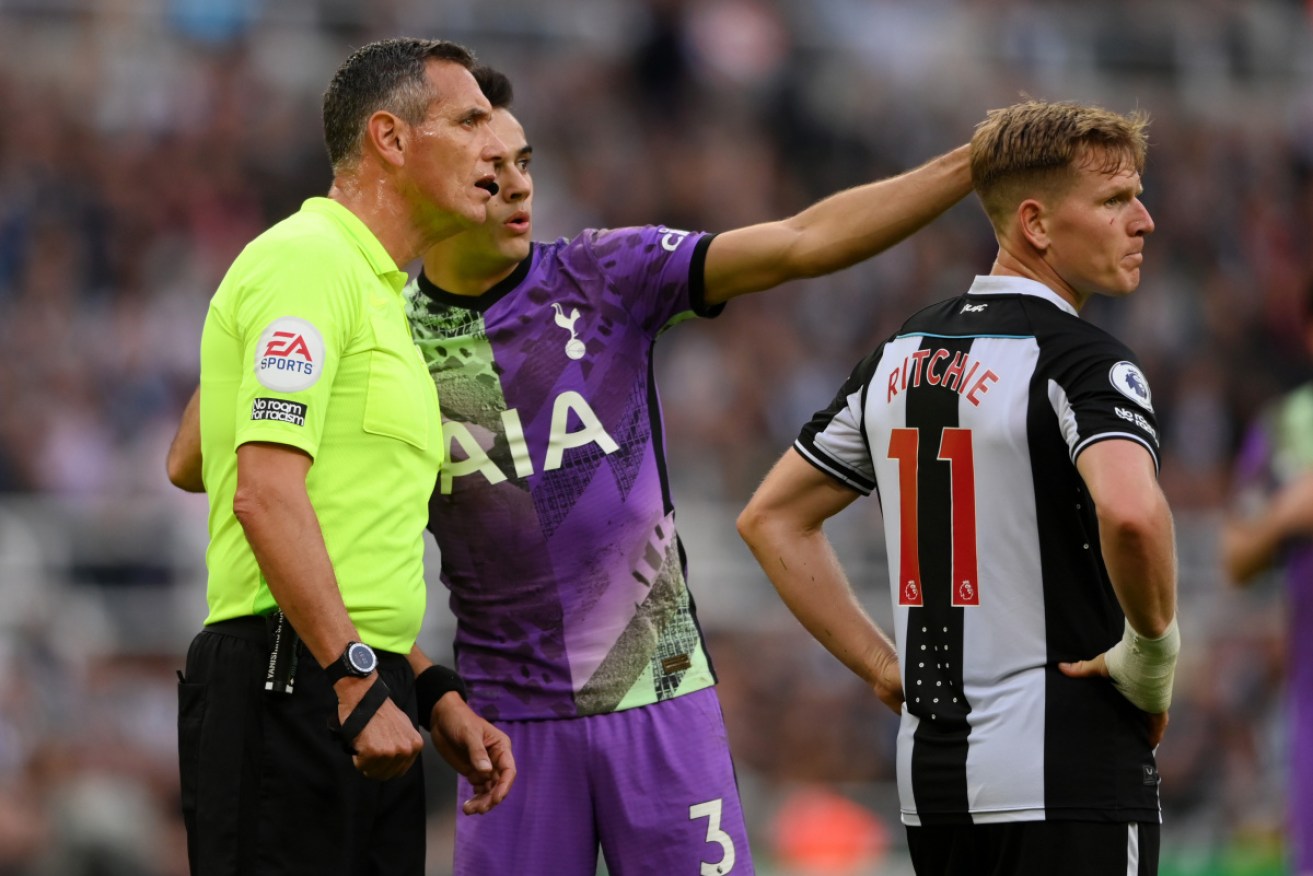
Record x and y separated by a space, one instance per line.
383 75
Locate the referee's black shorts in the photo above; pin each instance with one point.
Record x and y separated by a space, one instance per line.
1036 848
266 789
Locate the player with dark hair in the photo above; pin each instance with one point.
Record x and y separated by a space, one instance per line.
318 443
575 627
1031 554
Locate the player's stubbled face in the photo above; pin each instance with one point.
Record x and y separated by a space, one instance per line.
1097 231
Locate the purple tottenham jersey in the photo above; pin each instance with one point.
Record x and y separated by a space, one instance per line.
553 512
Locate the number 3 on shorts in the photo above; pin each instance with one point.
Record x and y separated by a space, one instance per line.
711 812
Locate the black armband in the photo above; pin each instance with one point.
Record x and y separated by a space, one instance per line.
431 685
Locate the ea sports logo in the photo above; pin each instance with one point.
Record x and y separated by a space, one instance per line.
288 344
289 356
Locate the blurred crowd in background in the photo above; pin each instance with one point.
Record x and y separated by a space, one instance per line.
143 142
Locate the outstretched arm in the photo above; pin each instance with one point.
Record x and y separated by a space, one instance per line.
471 745
184 462
782 525
837 232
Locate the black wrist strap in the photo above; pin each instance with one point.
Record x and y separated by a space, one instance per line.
432 685
369 704
335 671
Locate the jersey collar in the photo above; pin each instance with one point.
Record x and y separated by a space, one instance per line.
482 302
993 284
364 239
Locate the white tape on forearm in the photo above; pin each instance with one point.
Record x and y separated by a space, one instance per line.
1143 668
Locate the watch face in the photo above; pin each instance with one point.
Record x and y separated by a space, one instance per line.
361 657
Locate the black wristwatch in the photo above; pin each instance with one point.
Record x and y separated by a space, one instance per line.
357 660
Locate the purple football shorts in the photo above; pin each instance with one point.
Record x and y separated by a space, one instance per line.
653 787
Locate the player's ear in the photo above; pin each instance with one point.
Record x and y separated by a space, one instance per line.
1032 223
386 135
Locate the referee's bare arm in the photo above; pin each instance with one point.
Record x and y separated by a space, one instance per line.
782 525
280 523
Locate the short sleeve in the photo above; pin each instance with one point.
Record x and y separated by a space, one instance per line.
657 272
294 322
1104 395
835 439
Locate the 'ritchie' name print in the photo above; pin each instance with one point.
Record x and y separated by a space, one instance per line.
952 370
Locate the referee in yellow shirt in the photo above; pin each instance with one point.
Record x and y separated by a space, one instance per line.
321 444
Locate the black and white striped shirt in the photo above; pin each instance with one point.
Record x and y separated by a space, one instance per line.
968 422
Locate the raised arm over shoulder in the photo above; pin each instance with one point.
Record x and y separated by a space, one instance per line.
837 232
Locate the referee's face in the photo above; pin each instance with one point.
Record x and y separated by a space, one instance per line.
451 156
1097 231
503 240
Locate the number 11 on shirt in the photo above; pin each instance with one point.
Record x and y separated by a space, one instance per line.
955 449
